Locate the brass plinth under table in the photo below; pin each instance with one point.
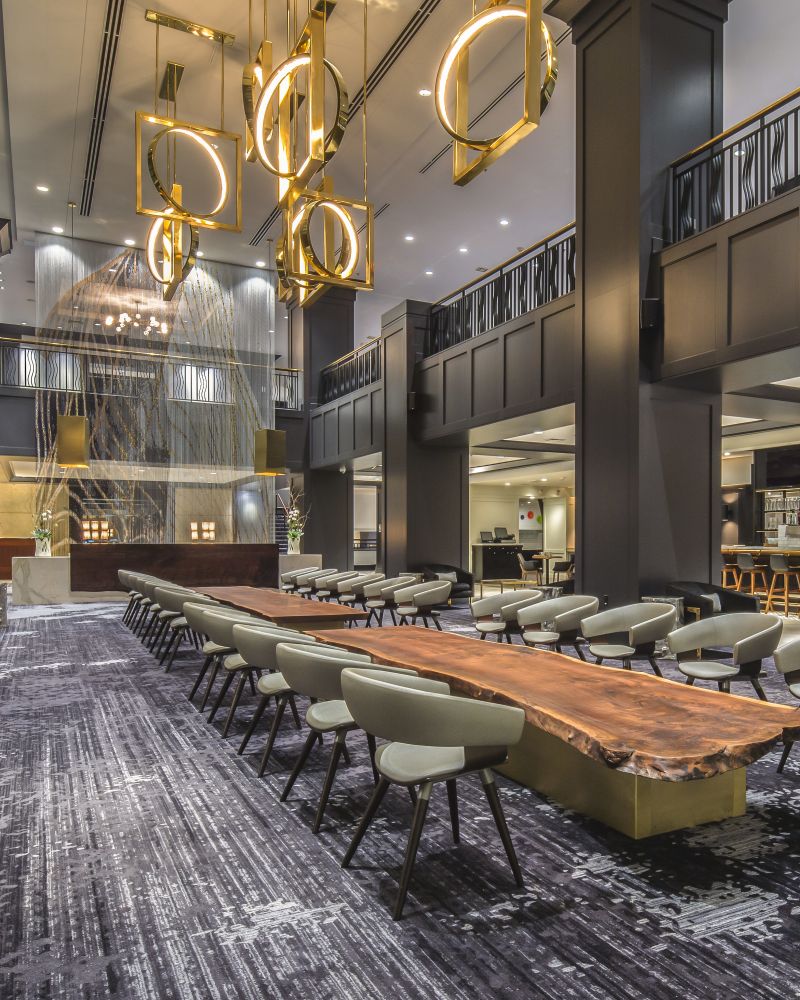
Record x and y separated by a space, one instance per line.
642 754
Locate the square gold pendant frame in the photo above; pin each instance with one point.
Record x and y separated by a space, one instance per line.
465 168
300 272
167 212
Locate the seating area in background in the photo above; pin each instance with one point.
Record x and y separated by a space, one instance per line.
773 578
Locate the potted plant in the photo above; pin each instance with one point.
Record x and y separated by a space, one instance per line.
43 532
295 521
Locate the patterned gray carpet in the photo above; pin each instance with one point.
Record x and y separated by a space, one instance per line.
140 857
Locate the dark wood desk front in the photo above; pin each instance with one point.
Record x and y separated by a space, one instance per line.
286 609
94 566
10 547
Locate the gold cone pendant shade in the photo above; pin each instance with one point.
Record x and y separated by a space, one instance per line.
72 442
270 452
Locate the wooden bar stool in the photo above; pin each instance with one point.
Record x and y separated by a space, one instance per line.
779 588
730 575
748 571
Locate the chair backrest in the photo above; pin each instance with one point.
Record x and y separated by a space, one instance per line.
744 560
290 576
645 622
173 599
751 635
316 671
387 588
193 612
779 564
566 613
330 582
422 712
257 643
357 584
424 595
787 658
494 603
218 623
309 577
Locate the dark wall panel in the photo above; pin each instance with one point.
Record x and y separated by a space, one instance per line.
487 378
559 360
17 427
331 432
318 438
346 442
362 422
764 293
430 400
522 353
456 388
690 305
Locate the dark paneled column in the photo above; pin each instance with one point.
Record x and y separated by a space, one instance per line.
647 464
319 335
426 489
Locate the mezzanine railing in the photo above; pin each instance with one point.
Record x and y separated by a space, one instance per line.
743 167
352 371
287 388
532 278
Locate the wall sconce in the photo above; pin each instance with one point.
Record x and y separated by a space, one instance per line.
72 442
270 452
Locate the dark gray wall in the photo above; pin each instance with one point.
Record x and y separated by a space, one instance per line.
520 367
733 292
17 424
347 428
329 529
648 89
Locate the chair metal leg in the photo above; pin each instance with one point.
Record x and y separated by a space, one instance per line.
490 788
655 666
785 755
163 653
260 708
452 801
222 692
293 707
273 732
212 678
336 752
417 824
174 653
759 690
200 676
298 767
371 744
690 681
366 819
237 694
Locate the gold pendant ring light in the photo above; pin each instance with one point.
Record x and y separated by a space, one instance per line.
213 156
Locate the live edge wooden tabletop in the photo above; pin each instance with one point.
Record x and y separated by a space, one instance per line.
281 607
630 721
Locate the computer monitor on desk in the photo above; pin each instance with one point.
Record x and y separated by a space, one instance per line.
502 535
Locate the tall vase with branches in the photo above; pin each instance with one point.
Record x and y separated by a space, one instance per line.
43 532
296 518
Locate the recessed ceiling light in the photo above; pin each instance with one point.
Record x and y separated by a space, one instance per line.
506 484
58 230
543 479
25 324
272 331
408 238
424 92
261 263
43 188
200 253
538 432
129 242
429 273
503 222
726 453
463 249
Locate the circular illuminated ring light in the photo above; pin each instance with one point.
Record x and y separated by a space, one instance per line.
349 252
154 234
288 70
213 156
462 40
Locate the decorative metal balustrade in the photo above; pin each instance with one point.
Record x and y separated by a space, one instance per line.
532 278
353 371
743 167
287 388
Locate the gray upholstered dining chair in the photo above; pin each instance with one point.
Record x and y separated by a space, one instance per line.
316 671
173 626
750 636
352 591
219 644
329 585
289 578
563 615
379 596
629 633
435 737
497 614
787 663
307 583
420 600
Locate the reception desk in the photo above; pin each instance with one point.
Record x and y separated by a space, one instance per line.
496 561
94 567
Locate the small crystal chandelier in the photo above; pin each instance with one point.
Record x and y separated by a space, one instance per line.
136 322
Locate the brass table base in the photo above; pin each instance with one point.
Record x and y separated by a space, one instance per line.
636 806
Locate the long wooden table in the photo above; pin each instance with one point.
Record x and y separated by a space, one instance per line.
640 753
286 609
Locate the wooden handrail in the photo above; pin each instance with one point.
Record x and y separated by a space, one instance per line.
357 350
735 128
506 263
